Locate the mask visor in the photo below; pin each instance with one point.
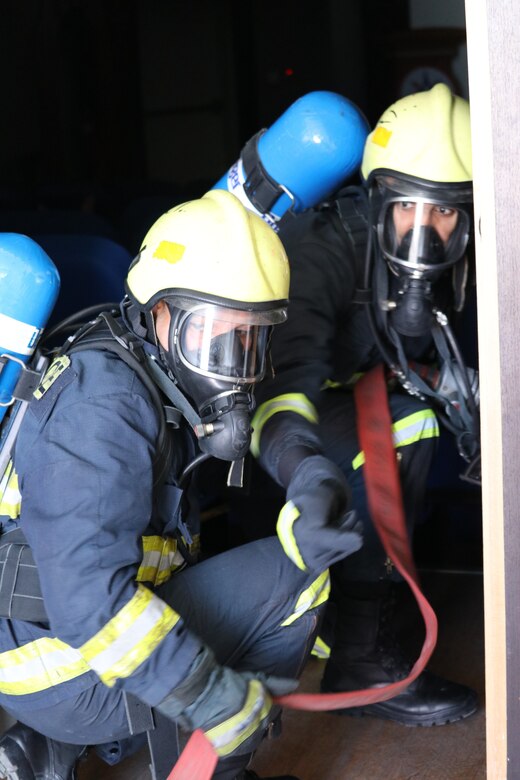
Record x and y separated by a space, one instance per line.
224 343
422 236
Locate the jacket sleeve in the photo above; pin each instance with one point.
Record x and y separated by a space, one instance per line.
86 501
322 287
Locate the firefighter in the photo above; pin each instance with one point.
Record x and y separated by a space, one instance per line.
97 515
377 274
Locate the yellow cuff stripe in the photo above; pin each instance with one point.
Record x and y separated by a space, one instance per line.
114 652
284 528
289 402
229 735
127 640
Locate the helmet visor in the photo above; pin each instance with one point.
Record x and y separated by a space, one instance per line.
223 343
420 235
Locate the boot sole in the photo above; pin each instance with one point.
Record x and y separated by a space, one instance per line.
374 711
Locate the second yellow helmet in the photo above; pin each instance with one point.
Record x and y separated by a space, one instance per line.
424 137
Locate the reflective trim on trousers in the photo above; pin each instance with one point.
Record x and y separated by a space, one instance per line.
409 430
321 649
317 593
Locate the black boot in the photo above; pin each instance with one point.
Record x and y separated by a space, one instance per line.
365 654
27 755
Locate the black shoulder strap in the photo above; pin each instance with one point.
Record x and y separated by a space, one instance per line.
348 213
261 189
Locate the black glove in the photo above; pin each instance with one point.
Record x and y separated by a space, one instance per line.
232 708
314 526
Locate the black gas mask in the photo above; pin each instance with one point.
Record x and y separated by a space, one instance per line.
421 239
216 354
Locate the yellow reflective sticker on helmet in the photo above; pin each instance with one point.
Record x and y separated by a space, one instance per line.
381 136
169 251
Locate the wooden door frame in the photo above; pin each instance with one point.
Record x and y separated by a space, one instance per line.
493 31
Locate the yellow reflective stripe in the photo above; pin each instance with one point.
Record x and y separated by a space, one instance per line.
417 426
312 597
10 496
421 425
39 665
284 528
331 384
160 559
320 649
130 637
114 652
289 402
230 734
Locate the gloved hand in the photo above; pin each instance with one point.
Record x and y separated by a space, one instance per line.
314 526
232 708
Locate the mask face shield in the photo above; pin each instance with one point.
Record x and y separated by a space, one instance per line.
217 354
217 342
422 236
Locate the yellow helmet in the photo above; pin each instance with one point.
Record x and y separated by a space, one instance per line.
213 250
423 139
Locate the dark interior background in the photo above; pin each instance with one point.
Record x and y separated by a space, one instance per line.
115 110
107 101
